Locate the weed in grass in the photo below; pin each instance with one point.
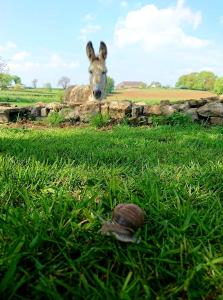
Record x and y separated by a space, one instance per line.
178 118
55 118
99 120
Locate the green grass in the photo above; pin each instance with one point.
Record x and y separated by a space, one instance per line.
31 96
54 183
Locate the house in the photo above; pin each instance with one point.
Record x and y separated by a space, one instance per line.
130 84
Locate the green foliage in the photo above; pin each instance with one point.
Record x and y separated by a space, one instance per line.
55 118
18 87
110 85
218 86
178 118
55 184
143 85
159 120
197 81
99 120
17 80
5 80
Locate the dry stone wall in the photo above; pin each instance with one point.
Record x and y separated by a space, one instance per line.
208 109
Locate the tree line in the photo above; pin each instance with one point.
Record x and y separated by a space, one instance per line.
203 81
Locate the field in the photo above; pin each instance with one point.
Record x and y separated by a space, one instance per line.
152 95
56 184
29 96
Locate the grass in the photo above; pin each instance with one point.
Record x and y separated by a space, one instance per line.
31 96
54 184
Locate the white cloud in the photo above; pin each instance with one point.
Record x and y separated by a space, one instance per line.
153 28
55 61
88 29
19 56
7 46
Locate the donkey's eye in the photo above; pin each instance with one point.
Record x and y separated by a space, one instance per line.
91 72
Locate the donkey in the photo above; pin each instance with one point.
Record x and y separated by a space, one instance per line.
97 71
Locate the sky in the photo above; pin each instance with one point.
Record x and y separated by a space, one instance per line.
147 40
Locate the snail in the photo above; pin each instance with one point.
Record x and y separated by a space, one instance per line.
126 219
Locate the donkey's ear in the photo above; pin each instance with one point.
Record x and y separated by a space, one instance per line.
103 51
90 51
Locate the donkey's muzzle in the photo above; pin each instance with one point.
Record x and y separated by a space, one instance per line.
97 94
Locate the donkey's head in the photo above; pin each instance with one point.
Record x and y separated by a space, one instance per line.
97 70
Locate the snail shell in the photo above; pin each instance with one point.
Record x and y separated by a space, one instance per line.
126 219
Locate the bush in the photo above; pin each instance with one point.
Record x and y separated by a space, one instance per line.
110 85
218 86
54 119
159 120
18 87
178 119
98 120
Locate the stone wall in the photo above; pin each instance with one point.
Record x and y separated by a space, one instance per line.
208 109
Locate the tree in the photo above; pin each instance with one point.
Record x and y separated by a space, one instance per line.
48 86
205 81
197 81
64 82
34 83
110 85
5 80
187 81
218 86
16 79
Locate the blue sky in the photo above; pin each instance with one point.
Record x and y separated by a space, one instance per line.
147 40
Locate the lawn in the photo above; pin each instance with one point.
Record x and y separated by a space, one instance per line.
55 184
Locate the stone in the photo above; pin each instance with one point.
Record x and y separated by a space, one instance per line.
88 109
35 112
70 115
12 114
181 106
193 103
216 121
167 110
4 118
137 110
212 98
56 106
211 109
44 111
192 112
120 109
138 121
104 108
152 110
